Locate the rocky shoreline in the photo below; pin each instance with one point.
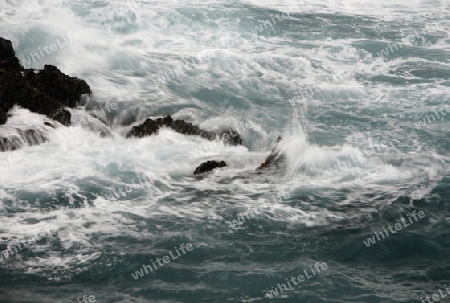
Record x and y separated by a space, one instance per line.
49 92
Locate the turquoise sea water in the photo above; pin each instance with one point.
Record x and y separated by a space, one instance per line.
358 90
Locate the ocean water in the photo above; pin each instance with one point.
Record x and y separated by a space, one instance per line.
358 90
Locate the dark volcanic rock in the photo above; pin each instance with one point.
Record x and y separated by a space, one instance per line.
151 127
8 60
46 91
209 166
275 159
62 116
3 116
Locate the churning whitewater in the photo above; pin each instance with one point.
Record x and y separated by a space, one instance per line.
358 92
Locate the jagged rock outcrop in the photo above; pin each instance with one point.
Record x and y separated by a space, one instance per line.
8 59
150 127
46 91
209 166
275 159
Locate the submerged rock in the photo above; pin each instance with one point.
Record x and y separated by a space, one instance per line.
275 159
46 91
21 137
46 123
231 137
62 116
151 127
209 166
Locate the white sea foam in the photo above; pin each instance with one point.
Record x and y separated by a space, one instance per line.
131 53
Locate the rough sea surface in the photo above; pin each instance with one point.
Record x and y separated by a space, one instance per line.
359 90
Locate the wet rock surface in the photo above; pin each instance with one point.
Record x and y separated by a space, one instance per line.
150 127
209 166
275 159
